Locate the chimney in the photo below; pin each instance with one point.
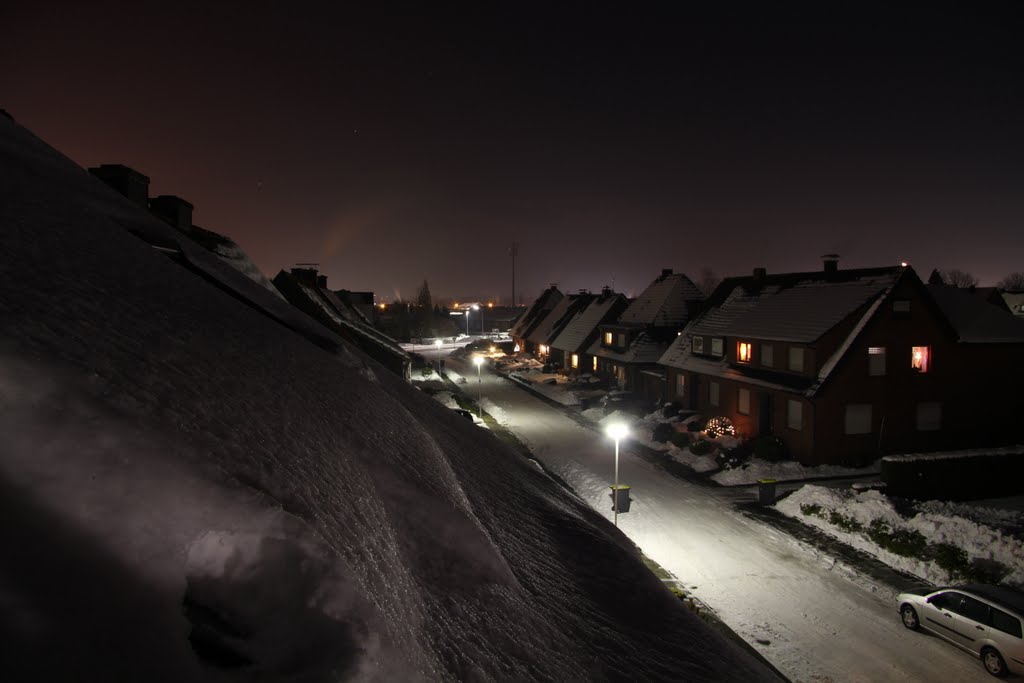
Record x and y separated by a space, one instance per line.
831 263
760 274
321 281
127 181
665 272
305 273
174 210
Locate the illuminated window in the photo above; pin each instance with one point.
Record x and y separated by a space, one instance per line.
920 358
743 402
858 419
543 349
794 415
929 416
717 346
767 355
595 363
713 393
575 361
698 344
743 352
796 360
680 385
876 361
607 338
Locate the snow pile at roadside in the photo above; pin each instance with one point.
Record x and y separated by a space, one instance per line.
788 470
697 463
849 516
197 484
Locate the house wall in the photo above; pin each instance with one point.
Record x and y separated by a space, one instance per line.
894 396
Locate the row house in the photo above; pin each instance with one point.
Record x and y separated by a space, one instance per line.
847 365
307 290
551 325
529 320
571 348
628 348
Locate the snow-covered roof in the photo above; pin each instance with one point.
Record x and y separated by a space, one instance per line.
171 433
975 320
665 302
554 321
347 320
642 349
547 300
801 313
584 322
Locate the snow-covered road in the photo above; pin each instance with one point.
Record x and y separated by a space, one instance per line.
809 615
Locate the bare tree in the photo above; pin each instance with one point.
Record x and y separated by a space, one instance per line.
1014 282
959 278
708 281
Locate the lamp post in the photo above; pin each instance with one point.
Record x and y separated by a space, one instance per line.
478 361
438 342
617 431
467 321
475 307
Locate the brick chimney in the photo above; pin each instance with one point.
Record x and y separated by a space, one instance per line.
665 272
830 263
174 210
760 274
125 180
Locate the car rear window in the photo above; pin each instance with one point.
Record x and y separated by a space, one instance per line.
975 609
1005 622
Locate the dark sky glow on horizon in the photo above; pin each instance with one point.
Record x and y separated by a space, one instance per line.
392 144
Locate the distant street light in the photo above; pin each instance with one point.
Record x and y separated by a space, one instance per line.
617 431
438 342
478 361
467 321
475 307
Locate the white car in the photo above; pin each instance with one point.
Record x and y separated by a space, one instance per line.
984 620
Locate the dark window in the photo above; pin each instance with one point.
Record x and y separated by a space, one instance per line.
975 609
1007 623
949 600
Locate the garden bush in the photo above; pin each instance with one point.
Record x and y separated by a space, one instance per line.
770 448
662 432
811 509
701 447
680 439
899 541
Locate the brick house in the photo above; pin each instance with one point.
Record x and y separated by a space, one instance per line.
847 365
570 348
551 325
537 311
627 349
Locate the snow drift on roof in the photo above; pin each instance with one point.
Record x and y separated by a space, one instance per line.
663 303
193 491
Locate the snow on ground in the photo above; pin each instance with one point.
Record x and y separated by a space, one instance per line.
199 483
756 469
986 535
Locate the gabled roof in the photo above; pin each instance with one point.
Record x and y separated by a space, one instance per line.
974 320
643 349
798 307
584 322
552 324
664 303
547 300
795 307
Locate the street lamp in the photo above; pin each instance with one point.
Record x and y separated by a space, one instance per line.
475 307
439 342
617 431
478 361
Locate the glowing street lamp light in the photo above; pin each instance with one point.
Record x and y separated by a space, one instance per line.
439 342
617 431
478 361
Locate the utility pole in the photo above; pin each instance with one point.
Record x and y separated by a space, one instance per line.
514 251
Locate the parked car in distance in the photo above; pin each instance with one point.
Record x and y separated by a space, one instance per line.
983 620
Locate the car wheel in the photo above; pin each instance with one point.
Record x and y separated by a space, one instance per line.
909 616
993 662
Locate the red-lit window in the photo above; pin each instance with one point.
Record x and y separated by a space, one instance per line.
743 352
920 358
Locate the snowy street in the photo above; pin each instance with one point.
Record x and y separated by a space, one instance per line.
811 616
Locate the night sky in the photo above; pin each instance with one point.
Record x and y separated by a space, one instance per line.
395 143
